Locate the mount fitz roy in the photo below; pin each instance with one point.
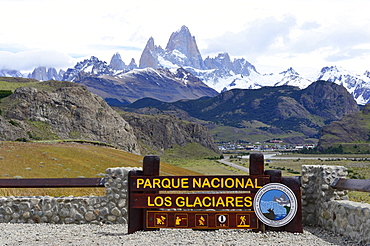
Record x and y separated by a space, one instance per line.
178 71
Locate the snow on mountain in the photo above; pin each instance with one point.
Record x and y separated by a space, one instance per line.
92 66
357 85
10 73
220 73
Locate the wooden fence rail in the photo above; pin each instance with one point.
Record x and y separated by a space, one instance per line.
351 184
52 183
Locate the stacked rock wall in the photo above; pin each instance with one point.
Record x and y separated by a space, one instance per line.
329 208
112 208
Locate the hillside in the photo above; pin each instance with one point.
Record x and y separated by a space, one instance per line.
161 132
352 128
63 110
66 160
53 110
283 112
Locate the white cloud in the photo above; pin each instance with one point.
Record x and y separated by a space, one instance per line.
257 38
28 60
286 32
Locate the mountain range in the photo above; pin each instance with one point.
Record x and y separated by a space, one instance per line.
178 71
284 112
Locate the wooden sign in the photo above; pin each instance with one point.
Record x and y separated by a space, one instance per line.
261 200
202 219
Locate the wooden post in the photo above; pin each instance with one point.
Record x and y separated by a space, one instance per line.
136 216
294 184
256 167
151 165
256 164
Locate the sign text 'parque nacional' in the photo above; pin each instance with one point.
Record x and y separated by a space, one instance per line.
245 183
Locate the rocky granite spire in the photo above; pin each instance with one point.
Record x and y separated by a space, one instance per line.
182 49
149 57
116 62
132 64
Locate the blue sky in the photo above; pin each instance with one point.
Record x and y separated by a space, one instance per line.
272 35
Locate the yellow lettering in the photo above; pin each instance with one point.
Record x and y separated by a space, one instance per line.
249 183
139 182
158 201
204 201
220 202
156 182
149 203
247 201
147 184
168 201
197 202
197 183
238 201
255 184
177 185
166 183
239 183
229 201
206 183
227 183
213 183
188 205
180 201
185 183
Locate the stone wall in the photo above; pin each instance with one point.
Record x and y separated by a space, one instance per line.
321 205
329 208
112 208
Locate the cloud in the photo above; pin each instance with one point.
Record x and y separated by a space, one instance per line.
309 25
335 43
258 37
28 60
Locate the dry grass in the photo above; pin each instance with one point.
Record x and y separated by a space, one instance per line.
65 160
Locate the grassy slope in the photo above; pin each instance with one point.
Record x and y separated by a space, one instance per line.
69 160
194 157
8 83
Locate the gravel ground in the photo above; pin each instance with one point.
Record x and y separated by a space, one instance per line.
62 234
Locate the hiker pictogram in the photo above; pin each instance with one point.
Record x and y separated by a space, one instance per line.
243 220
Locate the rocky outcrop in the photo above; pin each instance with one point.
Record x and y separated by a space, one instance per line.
328 100
352 128
66 111
161 132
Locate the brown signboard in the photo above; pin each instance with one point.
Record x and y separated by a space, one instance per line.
202 219
160 183
193 201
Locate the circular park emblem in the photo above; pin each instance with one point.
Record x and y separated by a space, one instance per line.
275 204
